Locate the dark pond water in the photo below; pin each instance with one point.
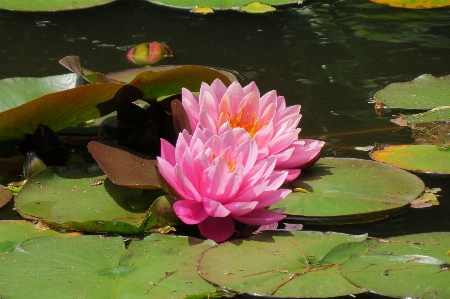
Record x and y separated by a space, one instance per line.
329 56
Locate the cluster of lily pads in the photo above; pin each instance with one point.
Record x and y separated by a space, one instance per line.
124 119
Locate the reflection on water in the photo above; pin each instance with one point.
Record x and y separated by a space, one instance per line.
329 56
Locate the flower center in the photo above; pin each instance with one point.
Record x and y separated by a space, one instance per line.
246 122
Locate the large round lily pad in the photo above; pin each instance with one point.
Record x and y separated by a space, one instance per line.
414 266
294 265
353 190
424 92
102 267
418 158
49 5
77 198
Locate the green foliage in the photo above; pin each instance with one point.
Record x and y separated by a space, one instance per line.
84 199
334 190
414 4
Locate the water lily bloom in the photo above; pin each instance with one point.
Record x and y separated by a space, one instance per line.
265 119
219 181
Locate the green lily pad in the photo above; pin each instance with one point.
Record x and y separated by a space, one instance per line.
14 232
294 265
49 5
101 267
125 167
414 4
17 91
438 114
424 92
414 266
84 199
216 4
417 158
349 190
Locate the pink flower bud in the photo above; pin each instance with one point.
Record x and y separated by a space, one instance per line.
149 53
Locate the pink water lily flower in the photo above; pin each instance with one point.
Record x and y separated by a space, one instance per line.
266 119
219 181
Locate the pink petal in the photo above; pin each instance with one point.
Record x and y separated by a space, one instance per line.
217 229
236 93
282 142
189 189
190 212
305 151
241 208
249 105
219 88
260 217
267 99
251 87
292 174
214 208
269 198
264 136
206 120
190 104
167 173
168 151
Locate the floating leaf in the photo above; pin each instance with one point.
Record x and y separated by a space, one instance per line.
202 10
50 5
66 197
441 113
219 4
101 267
17 91
292 264
14 232
257 7
428 199
350 190
413 266
418 158
424 92
125 167
414 4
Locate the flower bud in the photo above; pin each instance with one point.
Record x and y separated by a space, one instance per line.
149 53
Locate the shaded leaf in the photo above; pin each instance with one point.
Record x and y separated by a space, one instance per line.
417 158
350 190
5 195
424 92
125 167
286 264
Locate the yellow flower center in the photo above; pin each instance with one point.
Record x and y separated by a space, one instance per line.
246 122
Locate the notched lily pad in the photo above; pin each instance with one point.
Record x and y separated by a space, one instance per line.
431 159
343 190
425 92
71 198
293 265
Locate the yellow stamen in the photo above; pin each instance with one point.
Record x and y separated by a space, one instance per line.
245 122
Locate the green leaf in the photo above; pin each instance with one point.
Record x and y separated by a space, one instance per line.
217 4
441 114
5 195
101 267
125 167
414 4
350 190
77 198
58 110
49 5
424 92
282 264
14 232
416 158
17 91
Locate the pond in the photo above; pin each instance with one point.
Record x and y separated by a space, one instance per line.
329 56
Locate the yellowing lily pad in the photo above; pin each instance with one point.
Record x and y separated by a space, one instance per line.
417 158
257 7
414 4
49 5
